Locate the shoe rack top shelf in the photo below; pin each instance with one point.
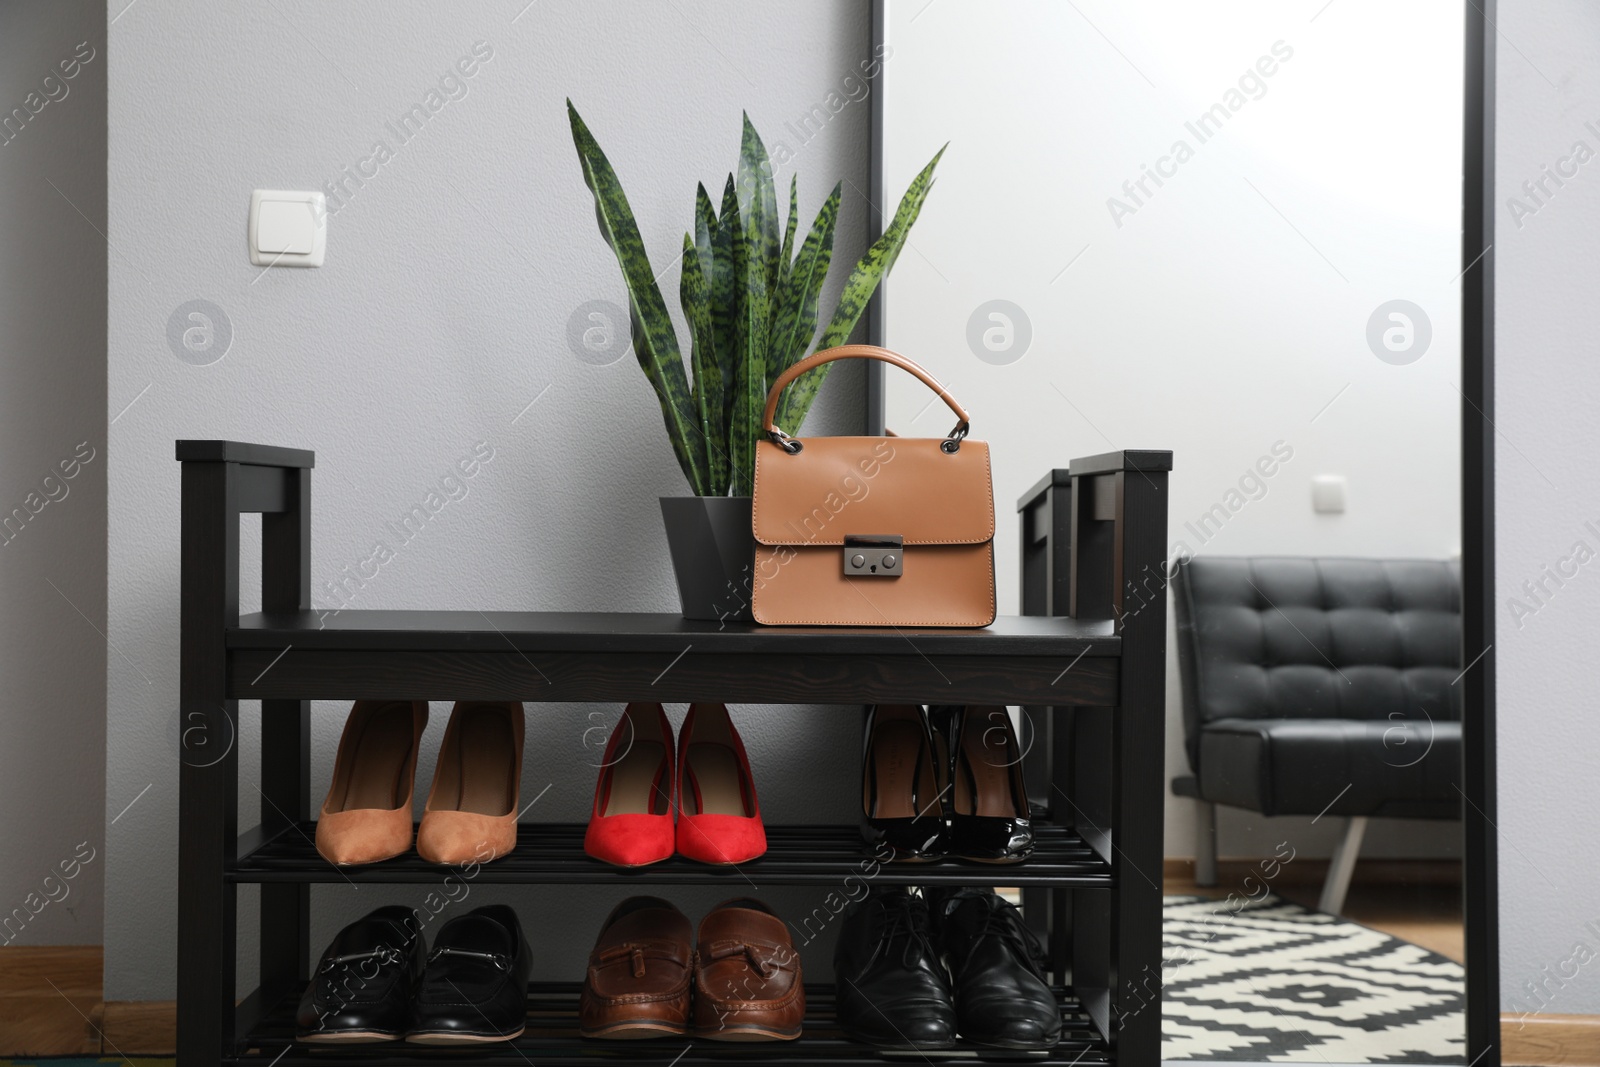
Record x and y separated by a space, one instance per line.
534 655
625 631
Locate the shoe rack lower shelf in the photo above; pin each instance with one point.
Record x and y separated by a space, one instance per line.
552 853
552 1039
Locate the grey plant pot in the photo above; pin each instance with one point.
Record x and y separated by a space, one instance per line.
713 555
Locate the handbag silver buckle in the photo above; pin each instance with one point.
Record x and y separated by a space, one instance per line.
873 556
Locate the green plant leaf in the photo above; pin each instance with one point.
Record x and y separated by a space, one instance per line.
711 386
758 202
705 230
775 354
750 367
655 342
727 295
695 295
786 256
858 289
795 320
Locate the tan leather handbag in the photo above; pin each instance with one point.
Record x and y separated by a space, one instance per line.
872 531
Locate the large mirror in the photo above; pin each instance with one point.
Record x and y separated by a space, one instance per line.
1233 231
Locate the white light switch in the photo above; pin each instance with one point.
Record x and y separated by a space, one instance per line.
287 229
285 226
1327 494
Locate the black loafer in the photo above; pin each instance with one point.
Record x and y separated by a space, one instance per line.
996 969
902 810
892 990
363 985
475 989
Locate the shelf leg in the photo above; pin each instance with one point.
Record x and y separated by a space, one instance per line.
1085 802
1138 751
1119 525
208 765
285 925
1041 906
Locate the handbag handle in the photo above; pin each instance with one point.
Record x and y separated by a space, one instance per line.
828 355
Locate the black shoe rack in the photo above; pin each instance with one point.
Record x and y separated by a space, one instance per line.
1087 661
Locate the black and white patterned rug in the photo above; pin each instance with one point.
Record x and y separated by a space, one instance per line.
1276 982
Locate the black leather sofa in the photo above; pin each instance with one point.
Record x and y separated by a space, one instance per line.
1321 687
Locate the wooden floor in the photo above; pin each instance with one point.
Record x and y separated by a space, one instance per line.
1423 911
50 1000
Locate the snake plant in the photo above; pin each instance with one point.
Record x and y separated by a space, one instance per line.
751 305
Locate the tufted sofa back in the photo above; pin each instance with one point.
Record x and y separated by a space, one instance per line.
1272 637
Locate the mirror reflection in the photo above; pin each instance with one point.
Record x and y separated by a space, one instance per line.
1233 232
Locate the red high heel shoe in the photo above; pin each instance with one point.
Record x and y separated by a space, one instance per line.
719 819
631 824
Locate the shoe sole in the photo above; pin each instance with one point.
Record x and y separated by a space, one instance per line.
1018 1046
346 1037
635 1031
720 863
746 1033
627 866
451 1038
926 1046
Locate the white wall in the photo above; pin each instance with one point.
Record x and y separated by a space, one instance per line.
1547 488
1228 310
441 313
53 807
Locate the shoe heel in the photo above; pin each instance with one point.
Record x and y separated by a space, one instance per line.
719 816
366 816
902 807
990 821
630 824
471 814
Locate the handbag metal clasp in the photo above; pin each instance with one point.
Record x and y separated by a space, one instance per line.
873 556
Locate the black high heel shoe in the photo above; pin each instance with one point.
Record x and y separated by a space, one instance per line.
989 820
901 804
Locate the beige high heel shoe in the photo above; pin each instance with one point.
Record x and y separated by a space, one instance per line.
367 814
471 816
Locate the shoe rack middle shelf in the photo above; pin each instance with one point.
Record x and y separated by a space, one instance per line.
552 853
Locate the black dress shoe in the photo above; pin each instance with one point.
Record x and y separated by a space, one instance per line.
363 985
892 989
475 989
989 819
902 811
1001 996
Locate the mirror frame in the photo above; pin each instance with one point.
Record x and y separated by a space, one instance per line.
1480 870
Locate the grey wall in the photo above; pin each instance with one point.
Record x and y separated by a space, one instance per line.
1547 487
441 314
52 527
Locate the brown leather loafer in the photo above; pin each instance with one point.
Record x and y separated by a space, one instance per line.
639 973
747 982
